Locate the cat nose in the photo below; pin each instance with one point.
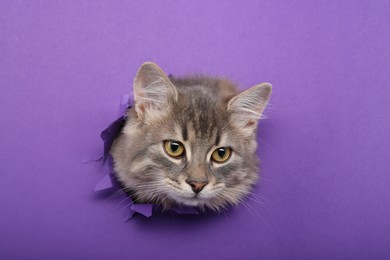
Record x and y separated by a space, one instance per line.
197 186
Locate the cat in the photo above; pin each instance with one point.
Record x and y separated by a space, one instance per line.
189 141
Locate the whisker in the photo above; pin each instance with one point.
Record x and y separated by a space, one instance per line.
116 194
126 206
125 199
251 209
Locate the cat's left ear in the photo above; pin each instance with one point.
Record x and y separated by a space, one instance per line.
248 106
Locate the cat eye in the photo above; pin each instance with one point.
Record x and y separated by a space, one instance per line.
174 148
221 155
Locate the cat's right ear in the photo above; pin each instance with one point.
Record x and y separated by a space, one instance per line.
154 93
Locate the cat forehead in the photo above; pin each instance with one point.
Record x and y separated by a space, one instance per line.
199 123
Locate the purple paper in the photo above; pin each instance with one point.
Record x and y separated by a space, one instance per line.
186 210
325 147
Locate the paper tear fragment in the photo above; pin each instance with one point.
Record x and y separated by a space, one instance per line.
126 102
130 216
104 184
110 133
143 209
92 159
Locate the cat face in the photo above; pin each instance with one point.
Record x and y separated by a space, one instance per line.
189 141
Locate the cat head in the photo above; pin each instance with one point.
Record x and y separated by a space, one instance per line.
189 141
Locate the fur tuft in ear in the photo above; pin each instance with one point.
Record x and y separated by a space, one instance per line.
154 93
248 106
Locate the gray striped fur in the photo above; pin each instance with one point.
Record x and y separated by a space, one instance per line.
204 114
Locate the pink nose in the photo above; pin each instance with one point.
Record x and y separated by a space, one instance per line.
197 186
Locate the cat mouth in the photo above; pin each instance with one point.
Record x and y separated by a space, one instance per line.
195 196
186 198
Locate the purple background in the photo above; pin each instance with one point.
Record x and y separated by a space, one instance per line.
325 146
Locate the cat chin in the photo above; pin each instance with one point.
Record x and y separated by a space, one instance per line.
199 204
189 202
185 201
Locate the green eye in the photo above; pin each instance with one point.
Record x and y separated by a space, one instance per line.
174 148
221 155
